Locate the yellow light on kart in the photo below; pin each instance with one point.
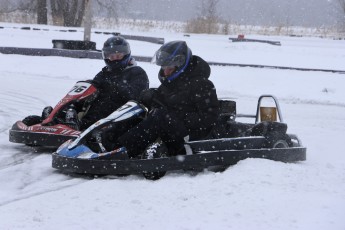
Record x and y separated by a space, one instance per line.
268 113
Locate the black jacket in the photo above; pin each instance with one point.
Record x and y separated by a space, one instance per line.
115 89
192 98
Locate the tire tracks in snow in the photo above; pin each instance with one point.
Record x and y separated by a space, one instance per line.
21 154
37 75
312 102
14 102
19 157
15 161
35 194
12 107
23 161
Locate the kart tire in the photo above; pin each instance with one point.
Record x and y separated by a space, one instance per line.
155 150
32 120
277 140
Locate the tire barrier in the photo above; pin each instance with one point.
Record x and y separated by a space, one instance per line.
276 67
242 39
98 55
145 39
129 37
61 53
74 45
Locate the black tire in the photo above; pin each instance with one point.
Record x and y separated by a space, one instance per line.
155 150
32 120
220 168
277 140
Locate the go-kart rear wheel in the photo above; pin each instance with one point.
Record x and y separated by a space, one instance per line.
277 140
155 150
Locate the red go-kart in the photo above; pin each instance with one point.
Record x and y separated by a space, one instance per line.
52 130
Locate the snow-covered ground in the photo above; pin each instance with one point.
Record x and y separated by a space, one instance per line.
253 194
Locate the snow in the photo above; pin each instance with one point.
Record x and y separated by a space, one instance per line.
253 194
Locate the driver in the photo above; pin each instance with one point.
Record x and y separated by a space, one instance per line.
184 106
119 81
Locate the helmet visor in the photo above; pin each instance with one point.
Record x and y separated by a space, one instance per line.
115 52
163 58
114 56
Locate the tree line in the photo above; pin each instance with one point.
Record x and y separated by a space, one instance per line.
69 13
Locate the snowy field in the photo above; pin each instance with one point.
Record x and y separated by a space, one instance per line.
253 194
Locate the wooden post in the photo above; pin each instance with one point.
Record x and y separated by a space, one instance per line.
87 21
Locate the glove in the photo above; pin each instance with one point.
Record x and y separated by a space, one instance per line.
147 96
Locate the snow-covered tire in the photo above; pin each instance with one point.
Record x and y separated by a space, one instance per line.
155 150
32 120
277 140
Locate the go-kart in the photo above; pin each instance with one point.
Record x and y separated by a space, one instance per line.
229 142
53 130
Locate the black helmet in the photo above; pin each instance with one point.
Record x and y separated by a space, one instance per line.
172 54
116 45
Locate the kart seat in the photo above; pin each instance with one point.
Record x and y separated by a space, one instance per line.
262 128
227 114
227 109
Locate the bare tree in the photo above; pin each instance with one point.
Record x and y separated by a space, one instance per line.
18 11
209 8
68 13
210 11
57 12
110 8
42 12
342 7
207 21
23 5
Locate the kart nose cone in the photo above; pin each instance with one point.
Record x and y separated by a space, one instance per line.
78 152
